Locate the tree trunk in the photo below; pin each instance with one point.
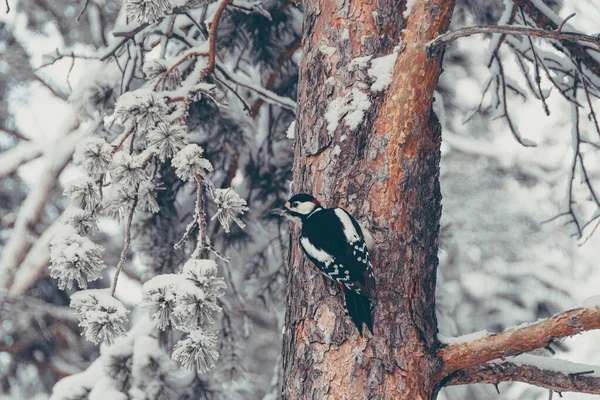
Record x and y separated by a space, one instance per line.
385 171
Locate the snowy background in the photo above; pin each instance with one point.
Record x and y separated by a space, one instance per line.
499 264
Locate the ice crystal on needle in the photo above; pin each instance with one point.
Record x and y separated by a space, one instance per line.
101 316
231 205
74 257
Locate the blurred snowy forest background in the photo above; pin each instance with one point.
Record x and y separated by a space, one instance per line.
62 70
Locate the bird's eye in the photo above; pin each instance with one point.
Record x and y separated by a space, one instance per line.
295 204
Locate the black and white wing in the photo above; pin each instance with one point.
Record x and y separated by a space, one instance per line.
334 241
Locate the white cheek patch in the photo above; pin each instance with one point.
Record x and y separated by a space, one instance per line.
305 208
349 230
315 253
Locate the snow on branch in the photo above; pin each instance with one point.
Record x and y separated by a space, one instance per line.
21 154
15 250
517 340
101 316
267 95
556 375
189 303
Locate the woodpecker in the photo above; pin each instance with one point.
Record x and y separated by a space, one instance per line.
335 242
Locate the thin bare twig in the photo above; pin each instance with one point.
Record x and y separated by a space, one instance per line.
200 250
536 63
60 56
450 37
83 8
559 29
589 100
50 88
275 74
506 115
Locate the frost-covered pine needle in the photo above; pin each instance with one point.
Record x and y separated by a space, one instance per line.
74 257
128 169
194 307
147 193
141 108
117 362
230 206
166 140
83 193
204 274
119 202
101 316
156 69
159 297
189 162
84 222
147 10
94 155
198 351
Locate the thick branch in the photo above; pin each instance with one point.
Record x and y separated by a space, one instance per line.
450 37
13 158
557 375
35 262
518 340
32 208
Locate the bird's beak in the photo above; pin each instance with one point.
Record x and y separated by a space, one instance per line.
282 211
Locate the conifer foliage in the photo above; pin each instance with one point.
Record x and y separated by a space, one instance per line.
165 148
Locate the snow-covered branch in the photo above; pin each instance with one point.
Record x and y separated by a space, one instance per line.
31 210
21 154
518 340
556 375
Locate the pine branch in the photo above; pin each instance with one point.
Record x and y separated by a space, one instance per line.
212 38
518 340
275 74
269 96
556 375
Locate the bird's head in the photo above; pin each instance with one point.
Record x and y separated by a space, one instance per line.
299 207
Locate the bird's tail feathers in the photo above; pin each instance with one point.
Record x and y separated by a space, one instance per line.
359 308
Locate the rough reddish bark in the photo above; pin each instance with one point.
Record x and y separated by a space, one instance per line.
385 172
584 381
